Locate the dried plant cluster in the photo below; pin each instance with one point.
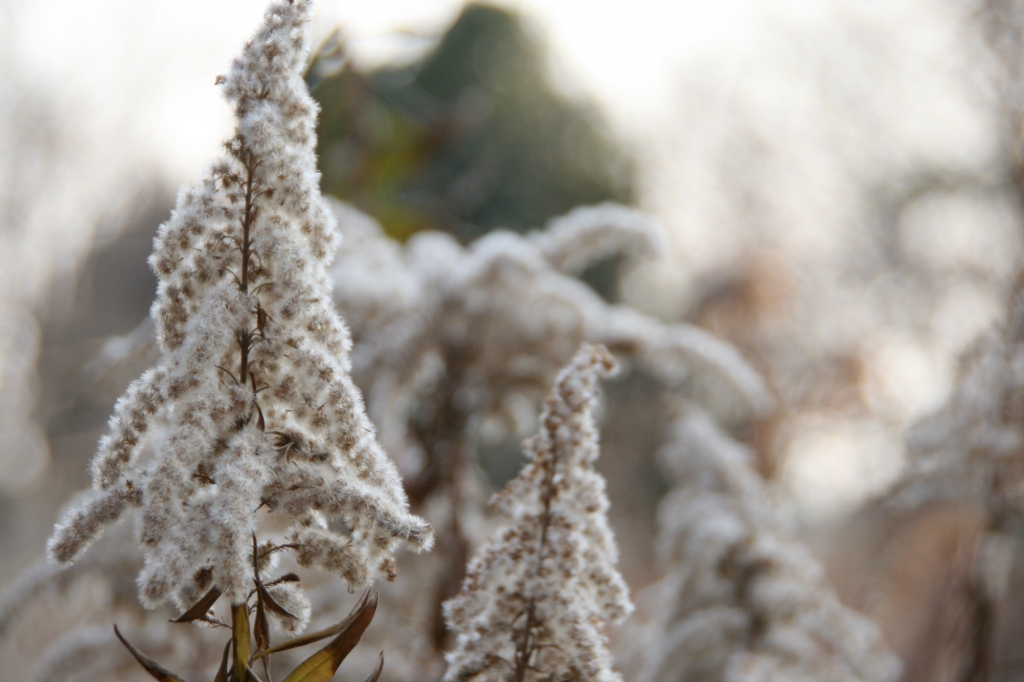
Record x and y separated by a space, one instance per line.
495 320
742 600
536 596
252 395
967 452
78 605
253 386
968 455
251 425
456 344
454 340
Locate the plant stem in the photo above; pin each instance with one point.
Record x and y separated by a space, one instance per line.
240 623
525 647
247 223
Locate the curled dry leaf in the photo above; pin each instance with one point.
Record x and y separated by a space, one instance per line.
222 669
200 608
261 628
377 669
156 670
365 602
321 666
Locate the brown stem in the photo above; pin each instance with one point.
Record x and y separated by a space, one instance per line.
240 626
442 433
455 550
979 667
983 621
524 647
247 222
245 336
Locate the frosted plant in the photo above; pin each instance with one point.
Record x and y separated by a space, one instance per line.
500 316
453 339
497 319
585 234
80 645
450 339
969 451
968 454
252 393
742 601
535 598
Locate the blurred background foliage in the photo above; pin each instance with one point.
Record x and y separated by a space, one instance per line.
471 137
841 182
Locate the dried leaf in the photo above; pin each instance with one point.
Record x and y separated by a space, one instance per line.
321 666
266 668
200 608
255 559
286 578
251 675
240 621
152 667
261 628
222 670
272 604
377 669
362 604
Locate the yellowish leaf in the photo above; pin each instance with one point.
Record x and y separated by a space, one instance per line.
321 666
240 622
156 670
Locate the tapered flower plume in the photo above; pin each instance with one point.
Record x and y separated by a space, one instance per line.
969 451
968 454
494 321
535 598
742 601
253 389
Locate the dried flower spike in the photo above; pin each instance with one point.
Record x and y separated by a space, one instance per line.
535 599
253 385
743 601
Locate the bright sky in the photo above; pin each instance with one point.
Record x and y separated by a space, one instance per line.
147 67
625 53
137 79
130 86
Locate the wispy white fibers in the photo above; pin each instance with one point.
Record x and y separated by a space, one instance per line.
253 385
743 601
536 597
503 315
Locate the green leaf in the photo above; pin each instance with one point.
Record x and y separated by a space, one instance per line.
326 632
151 666
200 608
321 666
377 669
240 621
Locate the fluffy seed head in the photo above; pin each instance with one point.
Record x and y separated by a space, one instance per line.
253 387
